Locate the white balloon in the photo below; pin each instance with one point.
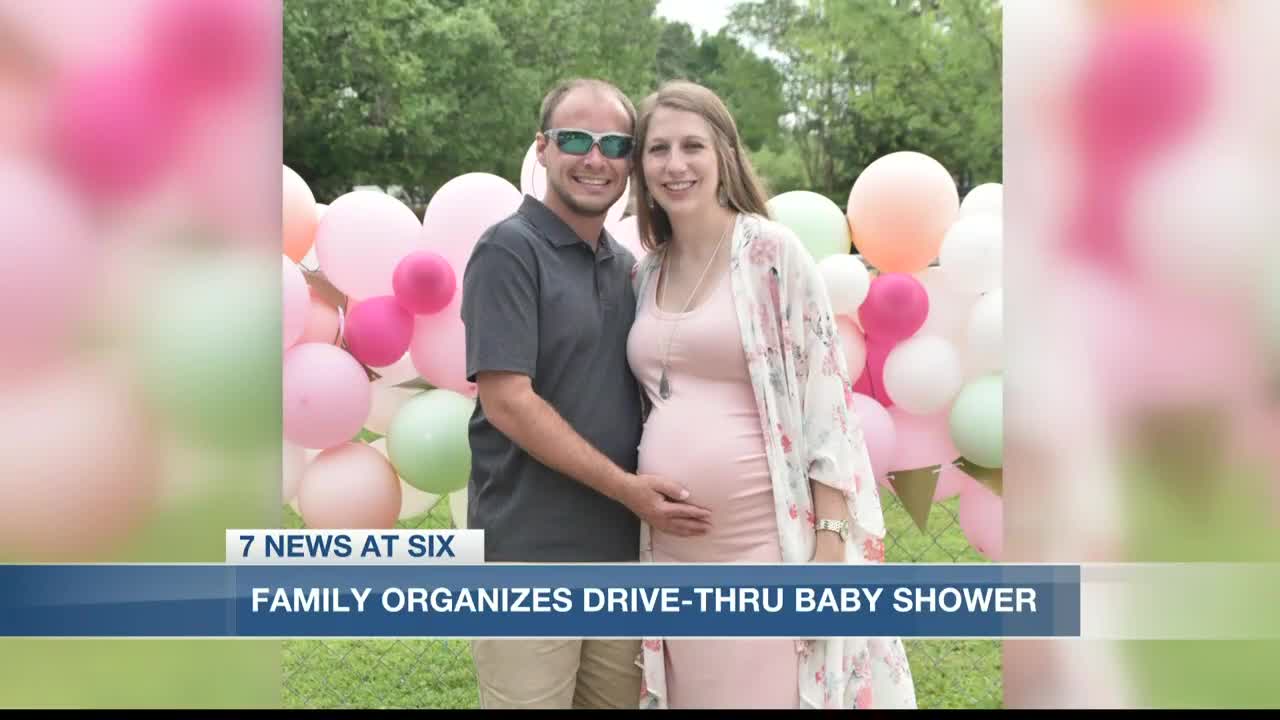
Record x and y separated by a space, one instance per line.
384 403
986 335
948 307
533 182
986 198
294 461
922 374
847 282
398 372
971 253
855 346
458 508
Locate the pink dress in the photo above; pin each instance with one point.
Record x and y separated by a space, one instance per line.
708 436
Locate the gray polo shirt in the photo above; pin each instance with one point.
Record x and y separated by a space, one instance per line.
536 300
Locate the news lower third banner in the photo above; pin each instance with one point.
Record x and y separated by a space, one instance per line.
417 583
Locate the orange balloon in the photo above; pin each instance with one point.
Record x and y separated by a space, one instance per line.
899 210
300 216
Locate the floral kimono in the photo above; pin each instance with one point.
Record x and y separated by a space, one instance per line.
802 388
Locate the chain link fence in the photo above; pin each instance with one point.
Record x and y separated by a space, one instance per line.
433 673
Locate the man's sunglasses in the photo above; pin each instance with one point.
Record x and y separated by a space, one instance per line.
578 142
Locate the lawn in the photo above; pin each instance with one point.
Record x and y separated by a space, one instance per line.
386 674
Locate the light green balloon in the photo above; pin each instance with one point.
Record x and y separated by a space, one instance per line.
977 421
820 224
427 441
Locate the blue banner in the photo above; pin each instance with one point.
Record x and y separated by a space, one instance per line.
497 600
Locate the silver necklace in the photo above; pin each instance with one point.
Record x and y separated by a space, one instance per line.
664 382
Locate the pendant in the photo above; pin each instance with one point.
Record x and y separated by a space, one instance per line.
664 386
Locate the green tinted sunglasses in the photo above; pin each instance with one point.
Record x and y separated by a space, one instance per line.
579 142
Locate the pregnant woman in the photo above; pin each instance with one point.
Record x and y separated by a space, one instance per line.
748 401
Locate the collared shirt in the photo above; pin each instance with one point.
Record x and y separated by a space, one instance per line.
800 380
537 300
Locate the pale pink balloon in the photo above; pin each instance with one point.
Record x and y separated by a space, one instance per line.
981 517
877 432
378 331
323 322
350 486
924 441
293 463
326 396
296 303
854 345
401 371
627 233
48 260
458 215
361 238
386 402
424 282
78 469
951 482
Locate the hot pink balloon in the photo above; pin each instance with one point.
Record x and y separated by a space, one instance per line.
296 303
112 132
459 214
895 308
360 240
351 486
872 380
424 282
981 516
326 396
378 331
877 432
323 322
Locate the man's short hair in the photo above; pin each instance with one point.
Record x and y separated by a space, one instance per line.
559 92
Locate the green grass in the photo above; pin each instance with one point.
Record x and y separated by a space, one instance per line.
429 673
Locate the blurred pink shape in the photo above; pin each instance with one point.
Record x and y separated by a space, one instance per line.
424 282
323 322
295 304
112 132
77 464
981 517
326 396
878 433
209 49
351 486
47 262
458 215
361 238
378 331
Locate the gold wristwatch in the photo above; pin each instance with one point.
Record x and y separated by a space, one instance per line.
840 527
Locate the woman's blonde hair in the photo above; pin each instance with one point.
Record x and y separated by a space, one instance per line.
740 187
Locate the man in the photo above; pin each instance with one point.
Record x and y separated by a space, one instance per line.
548 304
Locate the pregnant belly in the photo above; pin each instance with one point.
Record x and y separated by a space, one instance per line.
721 460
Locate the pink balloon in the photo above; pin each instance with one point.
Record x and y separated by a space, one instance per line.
877 432
208 49
924 441
112 133
293 464
458 215
49 262
424 282
895 308
326 396
378 331
296 303
360 240
951 482
351 486
323 322
981 517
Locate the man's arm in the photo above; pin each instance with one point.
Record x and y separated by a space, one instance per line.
512 406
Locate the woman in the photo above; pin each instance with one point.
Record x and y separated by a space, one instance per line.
735 345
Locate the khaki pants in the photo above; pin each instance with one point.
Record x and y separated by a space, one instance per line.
557 673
